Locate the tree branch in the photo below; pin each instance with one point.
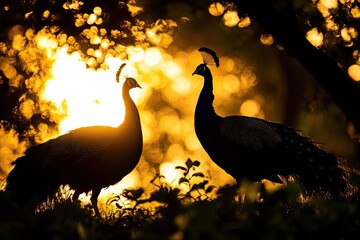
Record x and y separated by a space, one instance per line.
344 91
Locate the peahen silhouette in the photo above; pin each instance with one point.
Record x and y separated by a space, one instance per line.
256 149
87 159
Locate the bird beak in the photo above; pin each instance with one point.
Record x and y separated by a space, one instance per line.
195 72
137 85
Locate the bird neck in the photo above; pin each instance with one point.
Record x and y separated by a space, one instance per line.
131 112
204 109
128 141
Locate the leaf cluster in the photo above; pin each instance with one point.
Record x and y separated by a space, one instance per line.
245 211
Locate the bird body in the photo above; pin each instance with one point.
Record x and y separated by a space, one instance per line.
256 149
233 137
88 158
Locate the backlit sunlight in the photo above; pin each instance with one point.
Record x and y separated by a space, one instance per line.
73 94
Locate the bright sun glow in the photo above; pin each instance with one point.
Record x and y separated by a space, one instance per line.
72 95
87 97
168 170
84 97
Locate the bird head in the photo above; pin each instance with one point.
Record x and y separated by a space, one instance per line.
131 83
201 70
209 58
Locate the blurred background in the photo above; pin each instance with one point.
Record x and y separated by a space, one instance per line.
58 65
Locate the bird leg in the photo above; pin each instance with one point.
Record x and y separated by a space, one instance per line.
75 196
94 201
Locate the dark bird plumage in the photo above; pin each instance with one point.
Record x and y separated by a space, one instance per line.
256 149
88 158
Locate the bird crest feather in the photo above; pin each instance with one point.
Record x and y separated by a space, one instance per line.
118 73
209 56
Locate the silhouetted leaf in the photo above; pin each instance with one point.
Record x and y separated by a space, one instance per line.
199 185
196 163
167 196
189 163
154 178
181 168
198 174
209 189
182 180
133 194
194 187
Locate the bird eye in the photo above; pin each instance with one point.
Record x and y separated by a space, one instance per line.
131 82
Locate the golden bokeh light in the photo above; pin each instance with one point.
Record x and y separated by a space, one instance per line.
267 39
171 174
216 9
227 64
244 22
158 36
251 108
72 94
348 34
329 3
331 25
10 148
152 56
355 12
315 37
97 11
325 6
172 69
248 78
354 72
9 71
231 18
84 97
231 83
75 4
27 107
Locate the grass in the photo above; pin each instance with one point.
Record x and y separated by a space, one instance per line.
192 210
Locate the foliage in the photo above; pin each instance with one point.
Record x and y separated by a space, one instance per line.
247 211
194 209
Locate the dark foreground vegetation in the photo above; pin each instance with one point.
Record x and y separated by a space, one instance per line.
249 211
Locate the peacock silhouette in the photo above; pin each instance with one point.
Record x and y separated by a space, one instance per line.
87 159
256 149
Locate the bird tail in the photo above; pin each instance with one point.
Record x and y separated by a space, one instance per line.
328 175
25 182
317 170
